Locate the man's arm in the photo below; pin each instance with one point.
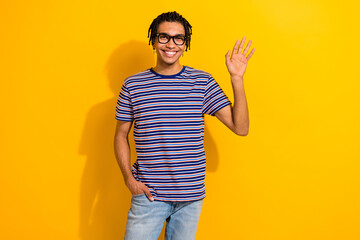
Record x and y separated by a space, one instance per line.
122 153
236 117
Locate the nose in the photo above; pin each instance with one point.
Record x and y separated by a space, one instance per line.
171 43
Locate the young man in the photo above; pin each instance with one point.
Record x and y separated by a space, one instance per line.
167 104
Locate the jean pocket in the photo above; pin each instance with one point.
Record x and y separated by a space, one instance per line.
138 195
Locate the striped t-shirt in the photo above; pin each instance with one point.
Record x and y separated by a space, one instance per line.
168 111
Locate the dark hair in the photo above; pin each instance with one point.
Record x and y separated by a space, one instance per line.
170 17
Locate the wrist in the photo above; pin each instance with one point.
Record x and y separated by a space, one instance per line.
236 77
129 180
237 81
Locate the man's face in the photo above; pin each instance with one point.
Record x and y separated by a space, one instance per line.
169 53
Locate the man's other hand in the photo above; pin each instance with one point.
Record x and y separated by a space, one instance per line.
137 187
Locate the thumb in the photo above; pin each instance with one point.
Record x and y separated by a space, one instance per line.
227 56
148 193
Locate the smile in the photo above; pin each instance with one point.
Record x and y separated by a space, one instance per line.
169 53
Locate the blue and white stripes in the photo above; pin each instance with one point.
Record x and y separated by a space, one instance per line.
168 114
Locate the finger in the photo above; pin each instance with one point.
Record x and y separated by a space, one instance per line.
242 44
236 46
148 193
250 54
247 47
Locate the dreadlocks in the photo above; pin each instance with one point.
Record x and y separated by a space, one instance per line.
170 17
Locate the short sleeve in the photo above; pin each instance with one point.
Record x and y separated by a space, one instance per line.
124 108
214 97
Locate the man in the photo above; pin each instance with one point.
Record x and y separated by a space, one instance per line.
167 104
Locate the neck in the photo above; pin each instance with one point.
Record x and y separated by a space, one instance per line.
166 69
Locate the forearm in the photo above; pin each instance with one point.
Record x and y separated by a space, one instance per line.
122 153
240 110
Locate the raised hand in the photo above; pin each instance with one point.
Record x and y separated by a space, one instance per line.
237 62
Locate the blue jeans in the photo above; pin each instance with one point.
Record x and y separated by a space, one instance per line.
146 219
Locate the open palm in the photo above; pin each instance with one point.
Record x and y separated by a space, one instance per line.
237 62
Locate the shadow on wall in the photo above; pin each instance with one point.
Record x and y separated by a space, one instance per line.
104 198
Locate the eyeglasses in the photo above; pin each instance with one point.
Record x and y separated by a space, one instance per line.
164 38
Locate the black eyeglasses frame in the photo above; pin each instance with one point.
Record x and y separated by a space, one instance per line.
171 37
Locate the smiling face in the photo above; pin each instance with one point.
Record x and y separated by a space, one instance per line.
169 53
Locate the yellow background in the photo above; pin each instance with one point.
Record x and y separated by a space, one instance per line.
295 176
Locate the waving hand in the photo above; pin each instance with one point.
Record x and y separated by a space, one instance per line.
237 62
